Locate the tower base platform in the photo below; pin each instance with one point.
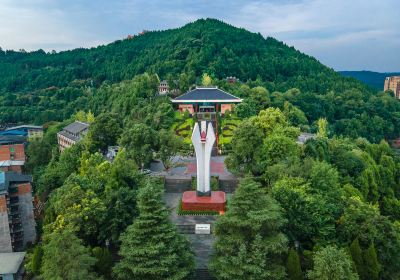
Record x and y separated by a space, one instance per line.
215 202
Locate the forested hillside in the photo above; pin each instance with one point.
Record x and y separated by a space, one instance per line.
39 87
203 46
325 209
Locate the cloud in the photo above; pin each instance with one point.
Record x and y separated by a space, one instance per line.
344 34
331 30
37 25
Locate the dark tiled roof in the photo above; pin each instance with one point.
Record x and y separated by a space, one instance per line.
6 178
12 139
76 127
204 94
74 131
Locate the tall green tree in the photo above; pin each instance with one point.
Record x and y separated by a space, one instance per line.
104 132
243 159
357 257
65 257
169 145
270 120
293 266
120 197
331 263
310 215
372 266
206 80
322 127
141 141
249 242
364 221
151 248
104 261
34 261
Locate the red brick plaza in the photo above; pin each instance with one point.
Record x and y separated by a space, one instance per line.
217 168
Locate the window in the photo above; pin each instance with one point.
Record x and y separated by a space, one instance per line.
12 150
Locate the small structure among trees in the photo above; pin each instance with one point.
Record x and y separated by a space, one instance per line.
209 100
71 134
163 88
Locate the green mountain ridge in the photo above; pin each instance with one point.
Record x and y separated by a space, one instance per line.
333 202
39 87
206 45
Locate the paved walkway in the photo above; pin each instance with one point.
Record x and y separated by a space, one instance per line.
186 167
201 243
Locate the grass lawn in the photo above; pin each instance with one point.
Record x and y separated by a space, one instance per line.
183 127
228 125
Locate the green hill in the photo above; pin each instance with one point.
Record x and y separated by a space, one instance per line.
202 46
39 87
373 79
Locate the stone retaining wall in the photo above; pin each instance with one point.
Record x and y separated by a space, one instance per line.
182 184
178 185
228 185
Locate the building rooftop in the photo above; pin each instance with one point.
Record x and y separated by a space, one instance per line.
74 130
14 132
207 94
25 126
21 130
11 262
12 177
76 127
12 139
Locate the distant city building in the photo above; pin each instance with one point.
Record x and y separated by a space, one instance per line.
393 84
71 134
304 137
163 88
17 223
12 157
12 265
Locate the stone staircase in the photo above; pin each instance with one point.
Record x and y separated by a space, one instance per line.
186 229
202 274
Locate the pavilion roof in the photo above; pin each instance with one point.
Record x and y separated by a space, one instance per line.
206 94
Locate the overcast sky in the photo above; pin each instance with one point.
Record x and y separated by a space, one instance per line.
343 34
